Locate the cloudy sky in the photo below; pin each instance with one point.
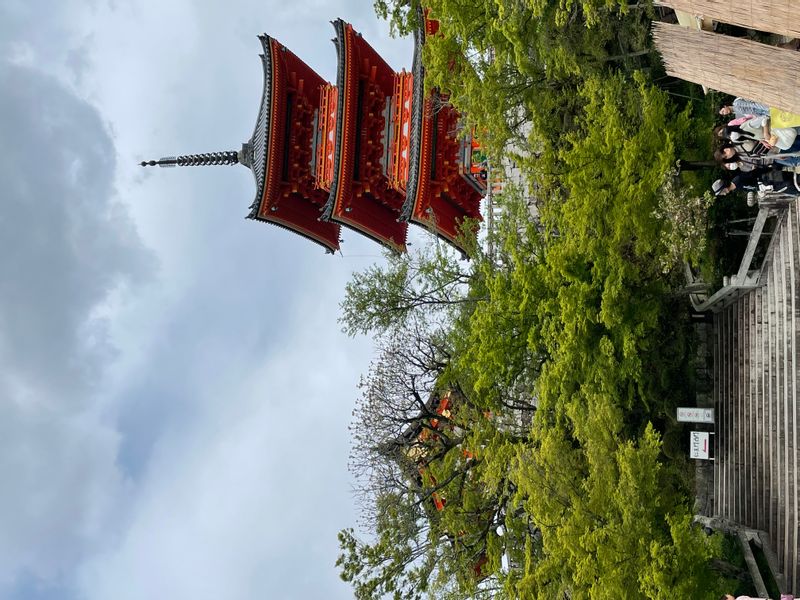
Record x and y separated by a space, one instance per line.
175 391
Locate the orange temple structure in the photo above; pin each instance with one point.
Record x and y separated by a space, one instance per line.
360 195
446 182
372 152
283 144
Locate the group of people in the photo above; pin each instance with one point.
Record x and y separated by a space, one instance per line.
763 158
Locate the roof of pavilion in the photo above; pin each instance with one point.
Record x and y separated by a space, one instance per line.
372 213
442 214
265 153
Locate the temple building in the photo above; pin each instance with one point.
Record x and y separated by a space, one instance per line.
283 142
445 181
360 194
372 152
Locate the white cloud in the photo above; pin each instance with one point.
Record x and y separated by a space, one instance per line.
250 496
66 245
188 437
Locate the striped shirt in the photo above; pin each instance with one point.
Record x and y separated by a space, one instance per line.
742 107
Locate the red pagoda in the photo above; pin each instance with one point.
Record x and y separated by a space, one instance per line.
360 194
289 196
370 152
280 152
447 178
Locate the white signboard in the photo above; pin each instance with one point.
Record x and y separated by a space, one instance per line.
698 446
696 415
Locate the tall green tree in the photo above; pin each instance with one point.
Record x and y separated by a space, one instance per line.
429 282
507 64
444 468
550 477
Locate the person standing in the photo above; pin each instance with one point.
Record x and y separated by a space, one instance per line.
741 107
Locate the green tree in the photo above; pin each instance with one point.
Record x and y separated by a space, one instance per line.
429 282
578 310
446 468
608 528
550 476
405 555
504 64
497 351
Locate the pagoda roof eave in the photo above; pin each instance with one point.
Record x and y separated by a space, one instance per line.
294 228
373 235
257 148
341 68
366 215
417 117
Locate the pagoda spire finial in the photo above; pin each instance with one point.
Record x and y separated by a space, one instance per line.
229 157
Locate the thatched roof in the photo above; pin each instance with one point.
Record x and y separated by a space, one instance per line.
736 66
776 16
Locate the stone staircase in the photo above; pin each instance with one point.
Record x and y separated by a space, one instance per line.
755 345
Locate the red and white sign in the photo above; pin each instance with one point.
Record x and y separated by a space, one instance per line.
698 446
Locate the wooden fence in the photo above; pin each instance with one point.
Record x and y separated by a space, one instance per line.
736 66
776 16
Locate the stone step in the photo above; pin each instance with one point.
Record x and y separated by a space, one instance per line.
719 497
789 385
782 377
761 456
738 420
755 377
730 456
746 508
732 422
727 359
750 410
794 243
775 381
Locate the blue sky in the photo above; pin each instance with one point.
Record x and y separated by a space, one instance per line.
175 390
